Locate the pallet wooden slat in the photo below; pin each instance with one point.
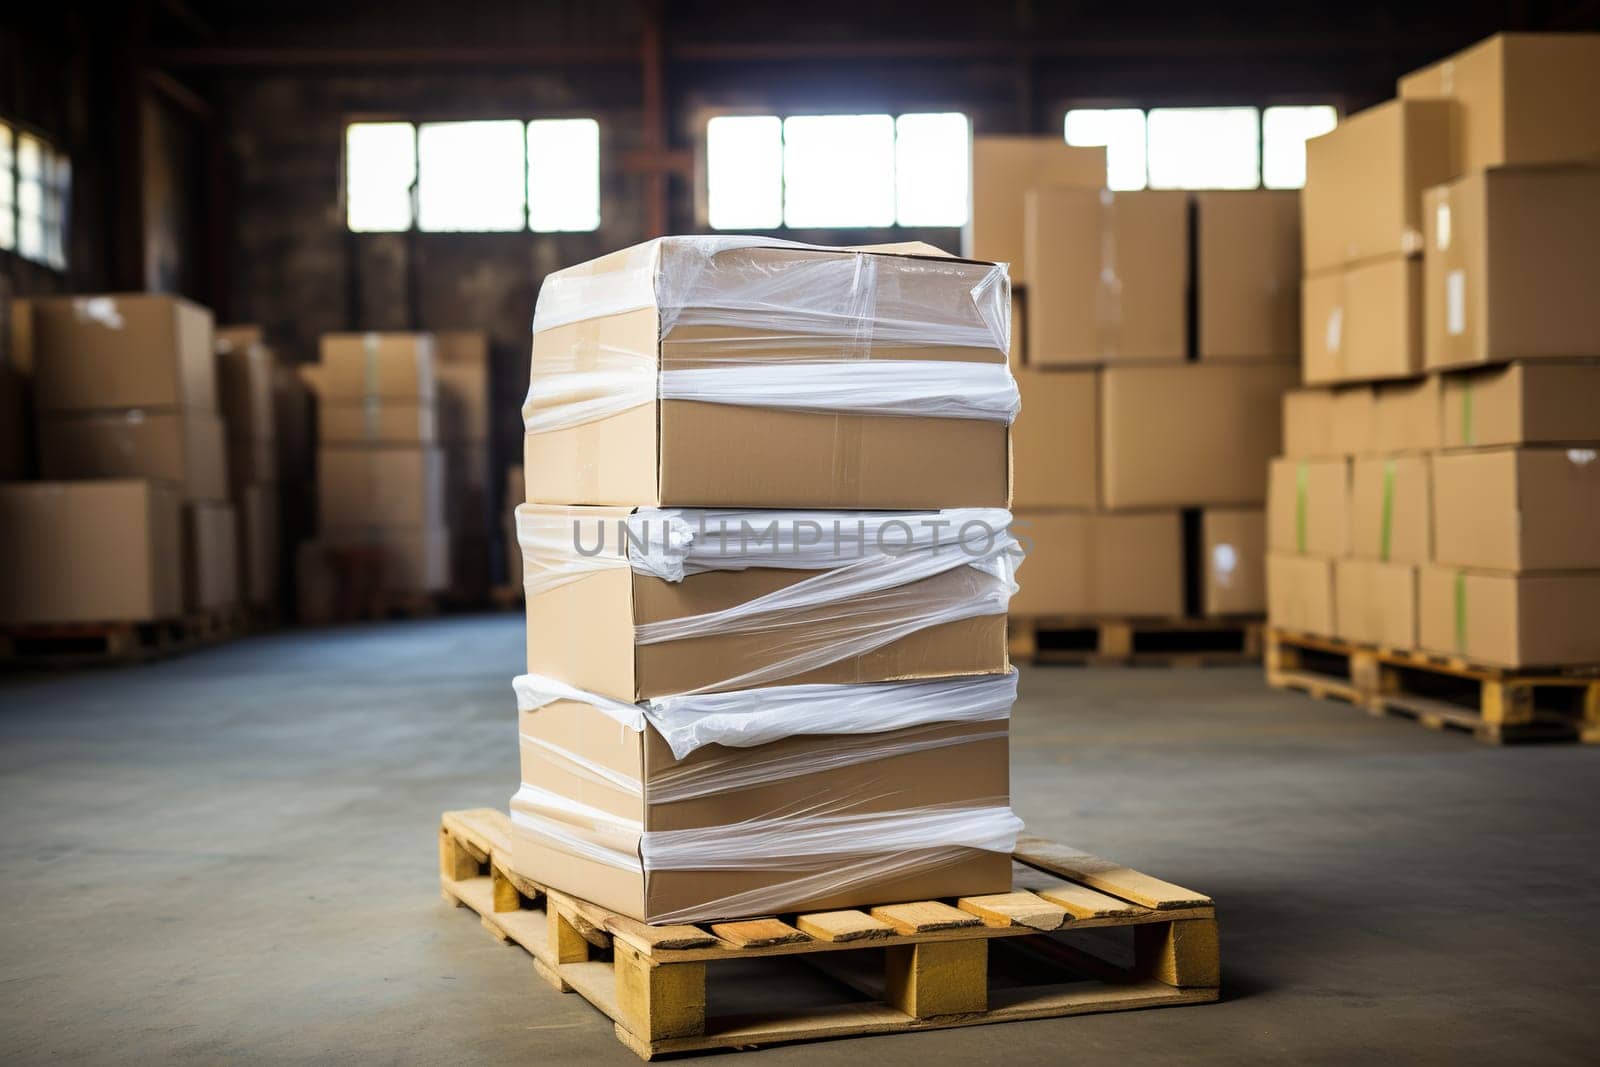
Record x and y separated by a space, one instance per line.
935 958
1129 642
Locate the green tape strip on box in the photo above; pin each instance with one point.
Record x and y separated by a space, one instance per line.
1461 612
1386 519
1302 478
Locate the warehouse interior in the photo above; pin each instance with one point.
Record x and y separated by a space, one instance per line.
1294 602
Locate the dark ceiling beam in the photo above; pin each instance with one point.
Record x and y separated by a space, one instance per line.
233 57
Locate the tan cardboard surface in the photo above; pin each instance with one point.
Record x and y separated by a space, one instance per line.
1510 264
1247 284
360 487
462 371
377 422
90 551
1517 509
1308 424
1086 564
1510 620
1518 403
1233 544
1376 603
414 560
1110 275
1522 98
1003 170
1364 181
1364 322
1192 434
210 556
1308 504
1055 446
1391 509
1300 594
121 350
389 366
1355 420
244 389
187 449
1406 416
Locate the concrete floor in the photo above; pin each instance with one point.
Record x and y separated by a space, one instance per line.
231 856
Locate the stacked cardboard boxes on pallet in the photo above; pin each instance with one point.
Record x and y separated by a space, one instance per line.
245 371
1155 333
133 522
381 476
1440 489
748 691
461 372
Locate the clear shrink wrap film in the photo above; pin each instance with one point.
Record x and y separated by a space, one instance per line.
816 320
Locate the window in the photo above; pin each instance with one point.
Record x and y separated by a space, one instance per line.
489 176
35 191
837 171
1201 147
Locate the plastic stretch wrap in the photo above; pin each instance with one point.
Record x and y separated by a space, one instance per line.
753 717
864 594
802 329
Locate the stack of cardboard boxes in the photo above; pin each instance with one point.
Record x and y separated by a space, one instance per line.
245 369
737 703
1155 333
461 373
133 523
381 475
1439 488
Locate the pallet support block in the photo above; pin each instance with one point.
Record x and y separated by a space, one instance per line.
659 1000
937 978
1183 953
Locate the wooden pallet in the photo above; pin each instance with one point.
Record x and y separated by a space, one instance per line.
87 644
1134 642
1077 935
1496 705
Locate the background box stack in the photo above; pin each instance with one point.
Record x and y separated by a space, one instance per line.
1153 333
1439 489
125 387
461 373
382 479
245 386
732 711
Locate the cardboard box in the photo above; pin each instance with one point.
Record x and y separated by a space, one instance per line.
467 495
244 385
1308 424
1300 595
1247 274
695 453
1406 417
1190 435
1003 170
1376 603
360 488
513 497
1522 98
1233 548
1510 266
1391 509
1522 403
1364 181
1090 565
1507 620
968 767
260 546
377 422
462 373
1110 274
1308 507
1517 509
581 629
186 448
295 418
384 366
210 556
89 551
96 353
250 463
1355 420
1055 442
1364 322
409 561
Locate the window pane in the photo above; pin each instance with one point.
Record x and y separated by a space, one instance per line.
1284 131
1204 148
744 172
1121 131
30 197
470 176
8 195
838 170
380 168
931 169
563 175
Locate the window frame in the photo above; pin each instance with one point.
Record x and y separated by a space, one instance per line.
417 120
55 198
